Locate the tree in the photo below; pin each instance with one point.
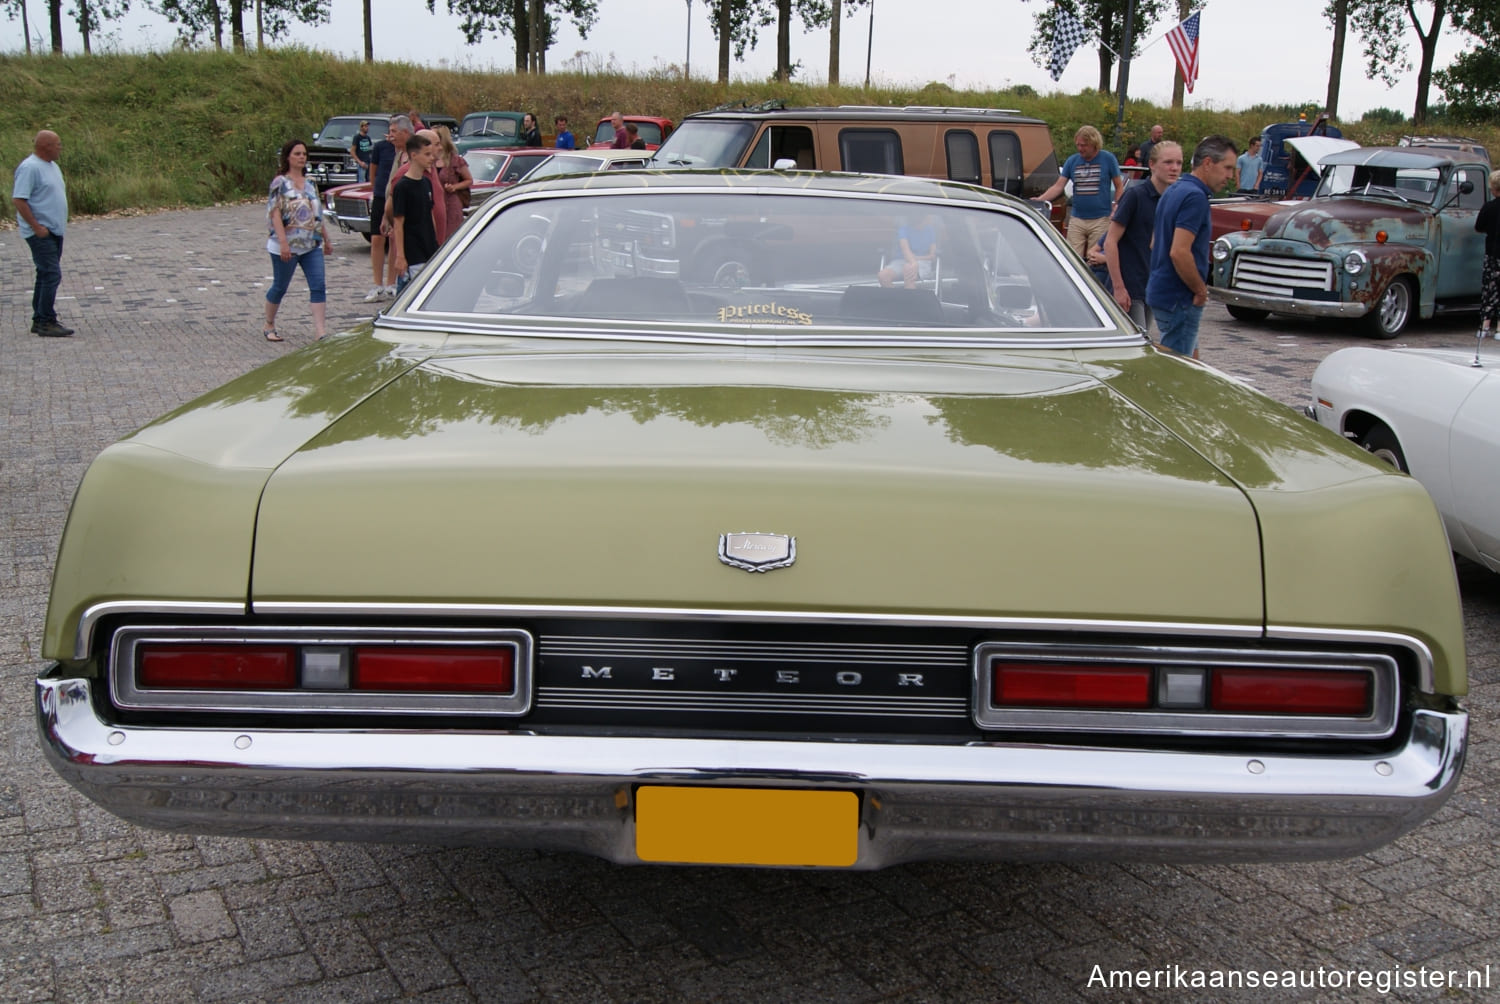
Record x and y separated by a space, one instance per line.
12 8
369 36
1105 20
738 27
54 16
1382 26
194 18
1337 13
88 14
1471 83
529 23
820 13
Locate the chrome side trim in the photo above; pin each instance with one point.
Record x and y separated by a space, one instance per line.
83 638
1426 674
1379 723
969 801
126 691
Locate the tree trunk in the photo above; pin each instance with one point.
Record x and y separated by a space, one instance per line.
1336 62
260 25
1184 8
519 16
833 42
237 24
723 40
369 36
54 13
1429 51
783 40
218 25
85 25
1106 58
26 27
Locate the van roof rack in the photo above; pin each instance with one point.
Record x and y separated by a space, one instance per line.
942 109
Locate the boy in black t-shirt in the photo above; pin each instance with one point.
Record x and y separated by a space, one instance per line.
413 237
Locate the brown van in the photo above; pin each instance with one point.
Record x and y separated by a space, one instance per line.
994 147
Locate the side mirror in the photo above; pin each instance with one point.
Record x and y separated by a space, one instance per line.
315 137
785 164
1466 187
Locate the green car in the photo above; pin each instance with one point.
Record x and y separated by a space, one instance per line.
772 519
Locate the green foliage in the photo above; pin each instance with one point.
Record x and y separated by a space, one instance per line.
194 128
1384 117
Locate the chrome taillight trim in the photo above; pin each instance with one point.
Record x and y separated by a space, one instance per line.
126 693
1380 723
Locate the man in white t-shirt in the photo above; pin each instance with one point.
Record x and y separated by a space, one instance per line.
41 200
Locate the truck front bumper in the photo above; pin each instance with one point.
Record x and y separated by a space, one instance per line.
1288 305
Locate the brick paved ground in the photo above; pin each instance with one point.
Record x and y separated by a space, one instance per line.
94 909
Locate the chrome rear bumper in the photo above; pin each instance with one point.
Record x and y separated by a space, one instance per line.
979 801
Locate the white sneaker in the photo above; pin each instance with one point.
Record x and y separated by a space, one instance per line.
389 291
375 293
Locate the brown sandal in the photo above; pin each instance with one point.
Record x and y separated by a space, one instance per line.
271 335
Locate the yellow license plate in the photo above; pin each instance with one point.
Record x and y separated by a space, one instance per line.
746 826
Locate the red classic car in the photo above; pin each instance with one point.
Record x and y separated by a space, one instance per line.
348 206
653 129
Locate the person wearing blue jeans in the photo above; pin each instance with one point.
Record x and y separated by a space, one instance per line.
1177 287
41 200
297 236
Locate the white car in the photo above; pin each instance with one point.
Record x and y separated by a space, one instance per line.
1434 413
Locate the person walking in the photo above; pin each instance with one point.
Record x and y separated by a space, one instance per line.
413 239
1487 222
298 237
565 140
1127 244
455 178
41 199
1178 285
1097 185
384 159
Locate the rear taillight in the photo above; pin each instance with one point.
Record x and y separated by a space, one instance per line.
429 670
1025 685
217 667
1291 691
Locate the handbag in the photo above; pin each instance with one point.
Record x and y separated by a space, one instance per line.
463 193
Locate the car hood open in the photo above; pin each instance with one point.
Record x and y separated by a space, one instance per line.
921 486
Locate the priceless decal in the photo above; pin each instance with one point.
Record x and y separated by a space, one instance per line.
764 313
757 552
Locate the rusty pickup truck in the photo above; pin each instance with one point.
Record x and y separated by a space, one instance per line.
1388 236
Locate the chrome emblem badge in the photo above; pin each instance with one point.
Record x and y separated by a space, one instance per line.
757 552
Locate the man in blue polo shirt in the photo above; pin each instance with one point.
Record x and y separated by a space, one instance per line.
1097 184
1178 286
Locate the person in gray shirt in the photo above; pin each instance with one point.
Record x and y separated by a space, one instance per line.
41 200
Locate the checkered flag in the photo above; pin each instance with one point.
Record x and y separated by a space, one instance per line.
1068 33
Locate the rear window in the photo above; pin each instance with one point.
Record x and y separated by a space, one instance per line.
489 125
725 262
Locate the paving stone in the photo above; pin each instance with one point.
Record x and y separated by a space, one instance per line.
201 916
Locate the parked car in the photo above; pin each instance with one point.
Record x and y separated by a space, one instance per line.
804 572
1434 413
1388 236
652 128
348 206
489 131
589 161
329 162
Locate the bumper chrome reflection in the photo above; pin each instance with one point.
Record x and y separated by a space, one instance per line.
1013 801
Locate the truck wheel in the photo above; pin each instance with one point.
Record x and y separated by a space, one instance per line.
1392 311
1247 313
1382 442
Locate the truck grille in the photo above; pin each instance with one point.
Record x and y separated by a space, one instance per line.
1275 276
351 209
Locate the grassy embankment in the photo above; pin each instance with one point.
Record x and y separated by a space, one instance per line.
174 129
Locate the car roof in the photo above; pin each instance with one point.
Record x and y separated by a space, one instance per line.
1389 156
869 113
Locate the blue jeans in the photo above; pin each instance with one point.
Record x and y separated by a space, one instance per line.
360 173
1179 328
312 270
46 252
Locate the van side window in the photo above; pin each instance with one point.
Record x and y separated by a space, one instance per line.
870 151
784 143
1006 166
963 155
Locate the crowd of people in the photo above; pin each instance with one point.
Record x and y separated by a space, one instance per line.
1149 242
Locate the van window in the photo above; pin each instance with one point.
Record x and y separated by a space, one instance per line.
780 142
870 151
1006 166
963 155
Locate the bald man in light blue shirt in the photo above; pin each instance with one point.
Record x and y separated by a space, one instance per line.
41 200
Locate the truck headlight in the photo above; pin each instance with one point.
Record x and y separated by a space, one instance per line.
1221 250
1355 262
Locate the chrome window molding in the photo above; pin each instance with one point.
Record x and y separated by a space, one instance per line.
1380 723
411 303
126 693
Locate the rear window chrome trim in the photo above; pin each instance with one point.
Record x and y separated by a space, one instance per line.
126 693
1379 723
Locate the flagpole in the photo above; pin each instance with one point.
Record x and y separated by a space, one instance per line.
1127 48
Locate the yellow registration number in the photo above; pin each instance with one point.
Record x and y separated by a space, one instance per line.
746 826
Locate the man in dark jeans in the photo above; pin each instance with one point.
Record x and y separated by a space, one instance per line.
41 200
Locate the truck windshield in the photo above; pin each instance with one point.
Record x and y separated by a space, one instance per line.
705 144
1408 184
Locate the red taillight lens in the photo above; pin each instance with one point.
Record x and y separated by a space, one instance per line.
1291 691
404 668
1060 686
217 667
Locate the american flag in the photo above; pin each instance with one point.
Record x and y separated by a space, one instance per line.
1068 34
1183 41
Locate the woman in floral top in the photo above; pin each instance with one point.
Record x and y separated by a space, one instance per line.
297 236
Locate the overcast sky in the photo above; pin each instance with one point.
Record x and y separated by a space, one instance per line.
1251 51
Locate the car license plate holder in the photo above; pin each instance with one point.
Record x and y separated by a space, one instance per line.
746 826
